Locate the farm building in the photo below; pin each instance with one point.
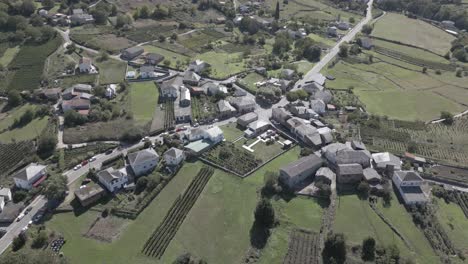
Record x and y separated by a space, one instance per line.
143 161
30 176
299 170
131 53
87 195
409 184
349 173
246 119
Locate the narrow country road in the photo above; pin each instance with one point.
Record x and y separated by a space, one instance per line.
66 37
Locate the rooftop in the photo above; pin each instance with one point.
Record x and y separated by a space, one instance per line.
297 167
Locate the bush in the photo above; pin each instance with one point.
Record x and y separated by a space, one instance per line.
19 196
40 240
18 242
335 249
368 249
264 213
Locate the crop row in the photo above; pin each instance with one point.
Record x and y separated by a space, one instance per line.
233 158
303 248
462 201
156 245
13 153
169 115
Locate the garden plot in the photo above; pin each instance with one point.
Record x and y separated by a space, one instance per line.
106 229
303 248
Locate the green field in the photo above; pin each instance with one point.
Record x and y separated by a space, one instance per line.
455 224
30 131
7 119
8 56
410 51
169 55
111 71
223 64
249 81
143 100
414 32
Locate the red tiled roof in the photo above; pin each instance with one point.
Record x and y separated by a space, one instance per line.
40 180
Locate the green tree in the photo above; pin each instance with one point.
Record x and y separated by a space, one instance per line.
363 189
447 116
144 12
141 183
56 187
292 96
264 213
277 11
335 249
343 51
367 29
368 249
18 242
48 4
14 98
100 17
46 145
39 240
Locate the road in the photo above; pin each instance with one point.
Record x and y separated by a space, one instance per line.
334 51
66 37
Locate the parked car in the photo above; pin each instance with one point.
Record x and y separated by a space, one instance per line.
27 210
109 151
92 159
77 167
84 162
20 216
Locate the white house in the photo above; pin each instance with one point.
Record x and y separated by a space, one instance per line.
214 134
27 177
5 193
147 72
174 156
113 179
111 90
143 161
169 89
86 65
409 185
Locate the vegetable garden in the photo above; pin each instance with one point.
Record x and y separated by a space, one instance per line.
168 115
303 248
13 153
462 201
233 158
156 245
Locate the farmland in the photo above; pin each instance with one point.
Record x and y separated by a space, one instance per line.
8 56
233 158
11 154
223 64
454 222
303 248
176 59
30 131
249 81
111 71
99 37
144 98
231 132
111 130
412 31
203 108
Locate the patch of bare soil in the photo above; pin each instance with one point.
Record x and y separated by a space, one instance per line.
106 229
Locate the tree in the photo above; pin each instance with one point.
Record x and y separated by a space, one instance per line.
312 53
412 147
100 17
56 187
363 189
302 94
123 20
19 241
141 183
277 11
352 20
48 4
14 98
271 183
343 51
144 12
174 36
40 240
291 96
72 118
368 249
167 63
367 29
447 116
424 70
264 213
46 145
335 249
162 38
27 8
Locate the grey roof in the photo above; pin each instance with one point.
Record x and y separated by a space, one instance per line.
154 56
147 68
325 172
413 194
280 114
173 152
142 155
242 101
324 95
371 174
349 169
299 166
88 192
5 191
82 87
225 106
318 78
313 87
330 151
385 158
258 124
358 145
169 85
29 171
191 76
248 117
408 176
135 49
347 156
318 105
109 174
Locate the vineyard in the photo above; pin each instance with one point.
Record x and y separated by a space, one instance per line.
168 114
462 201
165 232
14 153
412 60
233 158
303 248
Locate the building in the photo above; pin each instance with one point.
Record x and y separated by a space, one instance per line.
332 31
409 185
349 173
153 58
198 66
325 134
30 176
386 162
246 119
302 112
297 171
256 128
287 74
366 43
318 106
76 104
191 78
324 175
5 193
324 95
111 91
358 145
82 88
88 195
243 104
185 98
349 156
304 131
372 176
174 156
415 159
312 87
342 25
52 93
169 89
85 65
225 109
81 18
143 161
113 179
280 115
131 53
216 88
147 72
213 134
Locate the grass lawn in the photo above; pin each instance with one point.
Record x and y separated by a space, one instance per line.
413 31
169 55
223 64
8 56
7 119
111 71
30 131
143 98
249 81
323 40
455 224
231 132
265 152
410 51
304 66
81 78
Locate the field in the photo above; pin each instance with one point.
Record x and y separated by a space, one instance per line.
12 154
231 132
8 118
303 248
233 158
223 64
30 131
198 39
99 38
203 108
357 220
8 56
81 78
414 32
29 64
455 224
249 81
176 59
111 130
144 98
111 71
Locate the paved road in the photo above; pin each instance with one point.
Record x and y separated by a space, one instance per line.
334 51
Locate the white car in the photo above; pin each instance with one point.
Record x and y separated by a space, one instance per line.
92 159
77 167
20 216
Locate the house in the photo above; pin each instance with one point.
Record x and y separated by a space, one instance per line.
147 72
191 78
409 185
287 74
325 134
213 134
111 91
216 88
372 176
342 25
169 89
256 128
82 88
312 87
76 104
113 179
349 173
260 70
350 156
305 132
324 175
299 170
317 78
68 93
302 111
131 53
131 75
89 194
243 104
324 95
220 20
5 193
280 115
30 176
244 9
198 66
52 93
182 113
358 145
415 159
318 106
332 31
81 19
386 162
225 109
153 58
173 156
184 96
317 123
366 43
246 119
143 161
85 65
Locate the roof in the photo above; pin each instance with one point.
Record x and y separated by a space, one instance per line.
29 171
110 174
312 87
135 49
169 85
85 60
258 125
154 56
184 93
52 91
330 151
214 131
317 78
5 192
224 106
406 176
324 95
303 164
191 76
383 159
82 87
142 156
371 174
358 145
173 152
248 117
147 68
347 156
413 194
199 145
281 114
76 102
88 192
325 172
242 101
350 169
